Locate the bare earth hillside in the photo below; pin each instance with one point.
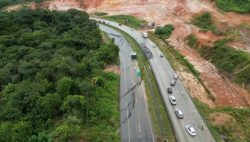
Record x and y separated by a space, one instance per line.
179 13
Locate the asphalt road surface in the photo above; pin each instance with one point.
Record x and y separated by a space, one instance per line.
164 75
135 122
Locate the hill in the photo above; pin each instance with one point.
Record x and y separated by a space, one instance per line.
53 87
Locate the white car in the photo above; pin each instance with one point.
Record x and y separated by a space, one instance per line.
145 34
172 100
173 83
179 113
175 76
191 130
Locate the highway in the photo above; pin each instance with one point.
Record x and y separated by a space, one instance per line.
164 73
134 116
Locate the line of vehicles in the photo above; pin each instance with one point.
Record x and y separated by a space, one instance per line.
179 114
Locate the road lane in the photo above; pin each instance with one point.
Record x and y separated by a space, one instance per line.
164 74
137 127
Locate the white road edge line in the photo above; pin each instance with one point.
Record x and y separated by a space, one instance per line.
125 75
139 125
151 131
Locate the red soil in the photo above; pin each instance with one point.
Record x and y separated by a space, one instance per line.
178 13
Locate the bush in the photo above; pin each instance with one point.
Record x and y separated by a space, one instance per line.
241 6
205 22
235 62
191 40
164 32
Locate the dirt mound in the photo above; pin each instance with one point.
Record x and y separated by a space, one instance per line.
207 38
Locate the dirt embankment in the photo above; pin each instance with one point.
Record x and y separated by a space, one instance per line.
178 13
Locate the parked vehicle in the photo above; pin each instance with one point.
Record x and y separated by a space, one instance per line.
191 130
172 100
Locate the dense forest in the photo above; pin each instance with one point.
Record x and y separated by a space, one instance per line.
53 87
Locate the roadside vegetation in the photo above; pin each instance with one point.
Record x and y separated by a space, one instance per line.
165 31
53 87
127 20
235 63
161 125
100 13
241 6
173 56
229 124
178 61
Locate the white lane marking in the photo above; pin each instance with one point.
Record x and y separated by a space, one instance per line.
148 114
139 124
125 75
139 121
128 122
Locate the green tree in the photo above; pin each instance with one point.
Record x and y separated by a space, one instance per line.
65 133
66 86
164 32
74 104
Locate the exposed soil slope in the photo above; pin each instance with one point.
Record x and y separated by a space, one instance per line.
178 13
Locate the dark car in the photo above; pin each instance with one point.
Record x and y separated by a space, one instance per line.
170 90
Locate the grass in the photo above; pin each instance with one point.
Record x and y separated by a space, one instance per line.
127 20
241 6
235 63
100 13
147 74
173 55
238 131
